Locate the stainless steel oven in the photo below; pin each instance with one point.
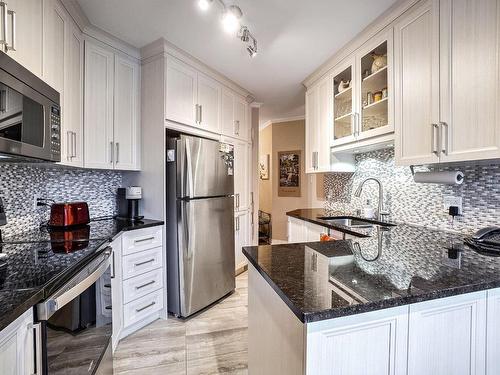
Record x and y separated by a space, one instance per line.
30 114
74 324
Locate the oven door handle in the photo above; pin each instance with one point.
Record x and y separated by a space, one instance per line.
76 285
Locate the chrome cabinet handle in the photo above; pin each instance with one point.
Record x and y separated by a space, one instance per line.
117 144
74 144
197 113
3 6
143 263
111 157
69 146
201 113
445 137
139 287
237 223
12 46
315 160
113 274
434 139
146 307
3 101
237 196
144 239
37 328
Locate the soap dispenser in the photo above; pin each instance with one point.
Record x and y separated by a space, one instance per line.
368 210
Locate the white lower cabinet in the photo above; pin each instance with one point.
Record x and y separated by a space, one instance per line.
373 343
241 237
448 336
138 283
493 333
16 346
303 231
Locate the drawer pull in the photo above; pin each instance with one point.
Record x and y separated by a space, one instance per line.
145 262
144 240
146 307
145 285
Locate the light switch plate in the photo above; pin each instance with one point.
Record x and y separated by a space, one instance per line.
450 200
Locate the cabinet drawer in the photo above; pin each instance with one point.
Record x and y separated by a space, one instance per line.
142 239
141 285
139 263
141 308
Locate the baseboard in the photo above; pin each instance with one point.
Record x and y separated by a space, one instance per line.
137 326
240 268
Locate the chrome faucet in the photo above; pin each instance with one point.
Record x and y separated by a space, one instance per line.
381 213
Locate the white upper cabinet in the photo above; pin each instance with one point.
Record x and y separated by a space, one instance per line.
470 80
209 101
447 78
27 31
181 92
126 113
318 126
55 25
111 109
416 41
344 101
234 116
98 107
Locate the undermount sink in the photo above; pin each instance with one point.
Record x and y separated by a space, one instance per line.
355 222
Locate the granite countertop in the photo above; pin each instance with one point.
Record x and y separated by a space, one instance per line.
314 215
397 266
36 261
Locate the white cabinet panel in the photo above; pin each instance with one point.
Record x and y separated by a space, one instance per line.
142 239
141 285
241 175
139 263
311 152
416 57
470 79
141 308
16 346
98 107
493 333
242 237
296 230
372 343
313 232
209 101
29 33
448 336
126 113
227 113
181 92
241 120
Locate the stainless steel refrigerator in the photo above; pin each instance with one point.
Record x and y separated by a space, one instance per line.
200 223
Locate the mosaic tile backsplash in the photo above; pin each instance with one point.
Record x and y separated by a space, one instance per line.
19 183
417 203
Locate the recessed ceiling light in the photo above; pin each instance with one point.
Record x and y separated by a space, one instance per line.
231 19
204 4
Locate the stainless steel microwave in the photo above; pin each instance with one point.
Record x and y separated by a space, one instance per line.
30 114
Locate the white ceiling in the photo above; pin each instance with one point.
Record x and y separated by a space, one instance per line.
294 36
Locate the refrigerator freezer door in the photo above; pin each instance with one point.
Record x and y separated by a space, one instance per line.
205 168
206 252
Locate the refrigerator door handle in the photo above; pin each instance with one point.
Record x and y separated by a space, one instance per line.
189 169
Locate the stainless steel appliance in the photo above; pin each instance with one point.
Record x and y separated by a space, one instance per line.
74 323
30 115
200 223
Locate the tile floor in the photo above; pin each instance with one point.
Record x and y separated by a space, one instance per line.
213 342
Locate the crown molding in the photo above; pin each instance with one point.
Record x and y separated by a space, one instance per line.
75 11
281 120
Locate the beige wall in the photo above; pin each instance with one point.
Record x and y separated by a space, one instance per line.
286 136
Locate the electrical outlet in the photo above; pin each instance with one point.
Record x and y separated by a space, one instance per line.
450 200
35 202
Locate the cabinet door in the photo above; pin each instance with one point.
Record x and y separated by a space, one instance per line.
126 113
371 343
296 230
241 174
227 113
16 346
209 99
242 232
55 23
311 154
117 292
344 101
29 35
98 107
72 129
324 125
448 336
313 232
493 333
374 77
241 125
416 68
181 92
470 80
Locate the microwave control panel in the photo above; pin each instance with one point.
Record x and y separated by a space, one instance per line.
55 131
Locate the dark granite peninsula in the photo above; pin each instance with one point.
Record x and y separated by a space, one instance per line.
404 287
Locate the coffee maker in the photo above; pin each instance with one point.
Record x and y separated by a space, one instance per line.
128 203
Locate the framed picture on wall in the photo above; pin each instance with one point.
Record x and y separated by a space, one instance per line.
289 173
264 167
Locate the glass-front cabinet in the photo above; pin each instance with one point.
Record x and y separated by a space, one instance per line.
363 92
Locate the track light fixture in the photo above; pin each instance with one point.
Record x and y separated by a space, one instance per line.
231 17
